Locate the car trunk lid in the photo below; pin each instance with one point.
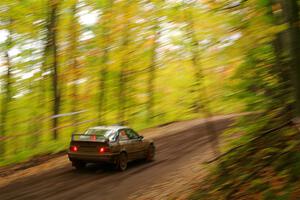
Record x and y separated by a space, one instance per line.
88 143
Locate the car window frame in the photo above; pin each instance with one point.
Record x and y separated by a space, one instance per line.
119 137
115 136
135 133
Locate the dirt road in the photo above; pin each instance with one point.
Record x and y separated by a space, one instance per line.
181 148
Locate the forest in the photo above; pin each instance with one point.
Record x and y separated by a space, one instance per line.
66 65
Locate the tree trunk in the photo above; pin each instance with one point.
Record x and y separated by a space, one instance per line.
122 88
278 70
7 95
195 61
74 37
105 37
152 73
34 124
52 29
291 16
122 96
42 83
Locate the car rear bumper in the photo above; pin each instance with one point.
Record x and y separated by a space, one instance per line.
108 158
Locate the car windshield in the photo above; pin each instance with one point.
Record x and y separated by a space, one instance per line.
105 133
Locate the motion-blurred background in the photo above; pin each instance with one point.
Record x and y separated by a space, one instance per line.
68 65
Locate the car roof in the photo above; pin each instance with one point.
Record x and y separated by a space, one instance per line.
112 127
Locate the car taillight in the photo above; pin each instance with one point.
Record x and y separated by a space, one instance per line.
103 149
73 148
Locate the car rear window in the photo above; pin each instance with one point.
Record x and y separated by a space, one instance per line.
105 133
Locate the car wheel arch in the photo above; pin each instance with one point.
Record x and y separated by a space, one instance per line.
151 144
123 151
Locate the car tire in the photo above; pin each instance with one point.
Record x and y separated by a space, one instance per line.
150 153
122 162
78 164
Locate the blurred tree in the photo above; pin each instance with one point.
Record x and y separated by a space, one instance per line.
52 61
266 143
152 68
290 11
74 64
77 64
124 65
105 24
7 95
195 51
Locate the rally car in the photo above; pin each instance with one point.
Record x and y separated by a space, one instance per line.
110 144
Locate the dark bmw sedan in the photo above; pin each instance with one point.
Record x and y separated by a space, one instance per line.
111 144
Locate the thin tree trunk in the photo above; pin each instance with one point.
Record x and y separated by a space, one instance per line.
195 61
122 96
152 73
106 20
34 124
122 88
42 83
7 95
53 4
74 37
102 86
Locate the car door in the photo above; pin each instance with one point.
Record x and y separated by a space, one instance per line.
126 144
137 144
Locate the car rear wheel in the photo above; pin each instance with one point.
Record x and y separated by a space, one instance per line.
122 162
78 164
150 153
